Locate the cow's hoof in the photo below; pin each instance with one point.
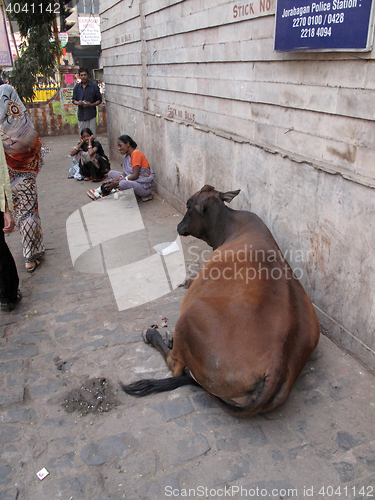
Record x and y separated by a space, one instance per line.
169 340
146 335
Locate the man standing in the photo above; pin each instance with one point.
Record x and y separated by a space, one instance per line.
87 96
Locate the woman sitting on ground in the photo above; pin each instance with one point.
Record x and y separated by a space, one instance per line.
89 154
137 173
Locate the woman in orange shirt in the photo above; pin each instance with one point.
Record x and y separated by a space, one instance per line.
137 173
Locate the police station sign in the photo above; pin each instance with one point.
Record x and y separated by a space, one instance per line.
324 25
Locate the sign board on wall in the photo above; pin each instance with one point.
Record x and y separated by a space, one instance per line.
5 53
67 96
64 38
324 25
89 30
15 43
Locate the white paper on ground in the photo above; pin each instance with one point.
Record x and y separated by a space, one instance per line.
166 248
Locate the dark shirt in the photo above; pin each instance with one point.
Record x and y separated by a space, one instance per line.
95 144
90 93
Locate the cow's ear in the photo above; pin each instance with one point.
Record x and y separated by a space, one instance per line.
229 195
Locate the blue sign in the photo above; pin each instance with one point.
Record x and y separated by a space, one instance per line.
324 25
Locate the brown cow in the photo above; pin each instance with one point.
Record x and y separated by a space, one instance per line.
246 327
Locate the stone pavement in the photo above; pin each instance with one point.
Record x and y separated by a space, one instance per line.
68 340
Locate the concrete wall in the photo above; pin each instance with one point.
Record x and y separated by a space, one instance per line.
209 101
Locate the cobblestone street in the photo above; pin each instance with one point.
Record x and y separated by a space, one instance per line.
67 338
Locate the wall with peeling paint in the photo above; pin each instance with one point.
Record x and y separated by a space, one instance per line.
209 101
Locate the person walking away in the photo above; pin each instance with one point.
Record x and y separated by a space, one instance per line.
23 152
87 96
9 293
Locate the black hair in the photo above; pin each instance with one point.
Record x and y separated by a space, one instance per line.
87 130
82 68
126 139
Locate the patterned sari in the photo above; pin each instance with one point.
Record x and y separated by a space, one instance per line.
23 152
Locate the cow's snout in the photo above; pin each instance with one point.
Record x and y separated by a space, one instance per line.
182 228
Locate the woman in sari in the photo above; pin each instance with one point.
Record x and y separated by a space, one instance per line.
23 152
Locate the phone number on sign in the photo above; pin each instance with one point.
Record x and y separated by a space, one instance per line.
33 8
316 21
310 32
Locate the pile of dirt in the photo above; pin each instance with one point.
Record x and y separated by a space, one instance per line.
96 395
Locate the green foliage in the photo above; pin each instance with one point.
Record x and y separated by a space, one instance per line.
23 77
40 51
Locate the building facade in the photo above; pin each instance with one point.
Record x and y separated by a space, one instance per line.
201 88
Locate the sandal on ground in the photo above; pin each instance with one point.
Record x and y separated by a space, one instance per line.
86 178
94 194
30 268
147 198
10 305
98 180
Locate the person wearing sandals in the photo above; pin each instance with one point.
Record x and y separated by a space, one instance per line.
9 293
24 153
137 173
89 154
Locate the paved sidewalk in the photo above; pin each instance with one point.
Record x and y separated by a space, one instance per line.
67 343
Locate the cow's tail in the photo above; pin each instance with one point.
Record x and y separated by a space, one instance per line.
149 386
